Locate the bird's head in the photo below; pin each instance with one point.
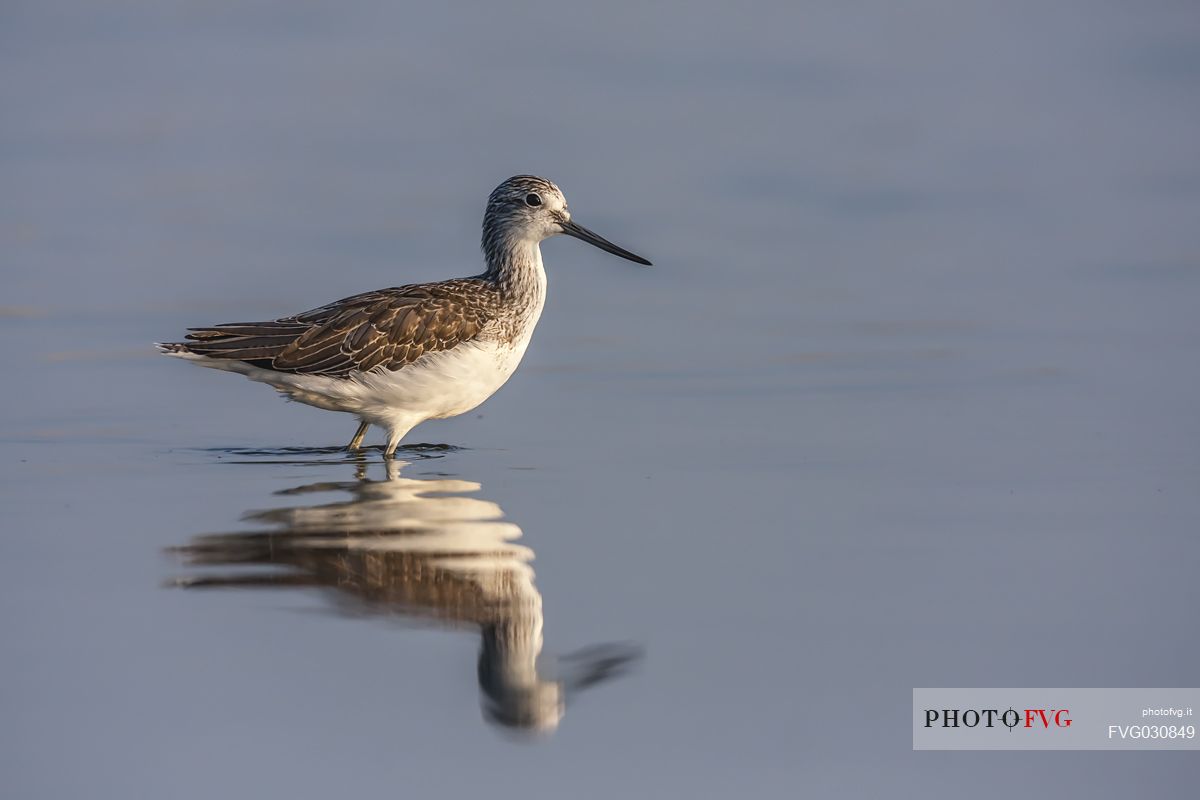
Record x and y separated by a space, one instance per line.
529 208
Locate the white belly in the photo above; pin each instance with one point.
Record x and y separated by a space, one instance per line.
442 384
437 385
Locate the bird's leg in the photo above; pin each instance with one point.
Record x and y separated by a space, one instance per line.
356 442
394 435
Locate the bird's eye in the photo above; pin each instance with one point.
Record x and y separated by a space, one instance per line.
532 199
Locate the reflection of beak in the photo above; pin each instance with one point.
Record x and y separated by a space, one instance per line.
579 232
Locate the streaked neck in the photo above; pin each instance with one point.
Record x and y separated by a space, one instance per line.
516 266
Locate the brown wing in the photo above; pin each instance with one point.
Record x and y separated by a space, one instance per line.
386 329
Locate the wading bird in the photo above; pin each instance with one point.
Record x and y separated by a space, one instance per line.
397 357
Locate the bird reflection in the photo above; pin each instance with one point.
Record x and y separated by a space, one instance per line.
425 550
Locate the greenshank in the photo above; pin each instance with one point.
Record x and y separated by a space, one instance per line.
397 357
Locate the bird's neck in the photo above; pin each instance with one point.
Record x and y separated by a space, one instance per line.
516 267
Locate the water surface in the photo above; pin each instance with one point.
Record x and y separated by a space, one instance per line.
908 399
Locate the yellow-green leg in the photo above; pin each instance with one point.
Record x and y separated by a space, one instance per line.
356 442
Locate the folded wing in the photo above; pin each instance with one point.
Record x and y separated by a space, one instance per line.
387 329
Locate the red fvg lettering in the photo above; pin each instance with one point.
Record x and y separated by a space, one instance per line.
1061 717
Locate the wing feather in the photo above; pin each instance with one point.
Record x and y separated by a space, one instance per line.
388 329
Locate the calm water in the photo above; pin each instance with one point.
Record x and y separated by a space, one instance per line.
909 398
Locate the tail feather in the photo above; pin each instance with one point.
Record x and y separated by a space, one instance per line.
256 343
263 330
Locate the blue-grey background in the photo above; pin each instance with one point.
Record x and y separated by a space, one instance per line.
909 398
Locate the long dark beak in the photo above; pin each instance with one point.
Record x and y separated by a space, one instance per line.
571 228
